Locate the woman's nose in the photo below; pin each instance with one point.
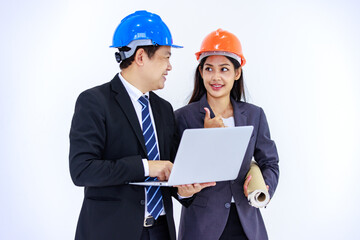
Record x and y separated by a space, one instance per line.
216 75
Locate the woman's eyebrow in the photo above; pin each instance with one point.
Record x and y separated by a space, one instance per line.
224 64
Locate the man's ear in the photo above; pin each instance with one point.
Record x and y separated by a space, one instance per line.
139 57
237 74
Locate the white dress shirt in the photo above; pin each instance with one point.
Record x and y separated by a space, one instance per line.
135 94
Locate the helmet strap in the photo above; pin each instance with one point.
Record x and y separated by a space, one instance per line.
127 51
119 56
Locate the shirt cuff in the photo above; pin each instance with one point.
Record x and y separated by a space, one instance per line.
146 167
181 197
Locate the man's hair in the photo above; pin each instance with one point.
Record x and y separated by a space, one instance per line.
150 51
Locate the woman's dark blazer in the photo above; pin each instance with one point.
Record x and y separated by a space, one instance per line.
208 214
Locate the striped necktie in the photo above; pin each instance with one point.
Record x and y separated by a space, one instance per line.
154 197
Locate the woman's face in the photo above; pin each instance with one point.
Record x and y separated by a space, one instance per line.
219 76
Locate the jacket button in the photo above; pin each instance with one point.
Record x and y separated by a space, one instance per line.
142 202
227 205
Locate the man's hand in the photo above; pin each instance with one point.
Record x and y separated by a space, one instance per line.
160 169
190 189
215 122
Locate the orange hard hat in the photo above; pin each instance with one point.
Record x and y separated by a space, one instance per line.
221 42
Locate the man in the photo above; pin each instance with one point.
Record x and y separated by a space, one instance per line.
118 130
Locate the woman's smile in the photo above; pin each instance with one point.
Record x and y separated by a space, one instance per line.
216 87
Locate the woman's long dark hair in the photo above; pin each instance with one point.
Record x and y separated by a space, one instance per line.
237 91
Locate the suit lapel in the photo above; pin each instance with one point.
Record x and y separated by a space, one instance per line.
203 103
239 116
123 99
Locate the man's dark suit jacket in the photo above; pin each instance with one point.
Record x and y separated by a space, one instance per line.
106 151
206 217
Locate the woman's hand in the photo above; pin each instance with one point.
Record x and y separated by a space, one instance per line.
188 190
246 184
215 122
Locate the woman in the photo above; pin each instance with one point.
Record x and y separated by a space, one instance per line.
222 211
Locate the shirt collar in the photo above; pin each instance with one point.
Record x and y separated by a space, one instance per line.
133 92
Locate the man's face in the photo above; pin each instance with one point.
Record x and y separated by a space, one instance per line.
157 68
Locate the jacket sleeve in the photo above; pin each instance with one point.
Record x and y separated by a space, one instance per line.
87 144
181 125
186 202
266 154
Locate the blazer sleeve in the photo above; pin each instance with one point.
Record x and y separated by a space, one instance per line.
87 144
266 154
181 123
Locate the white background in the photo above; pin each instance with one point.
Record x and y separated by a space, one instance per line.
303 61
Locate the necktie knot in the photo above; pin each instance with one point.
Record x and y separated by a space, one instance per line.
143 101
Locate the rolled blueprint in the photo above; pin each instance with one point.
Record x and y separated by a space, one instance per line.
258 195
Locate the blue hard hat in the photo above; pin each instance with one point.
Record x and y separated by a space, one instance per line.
142 25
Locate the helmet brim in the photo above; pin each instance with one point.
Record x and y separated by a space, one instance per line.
177 46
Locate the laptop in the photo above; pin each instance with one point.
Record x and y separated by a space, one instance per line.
207 155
